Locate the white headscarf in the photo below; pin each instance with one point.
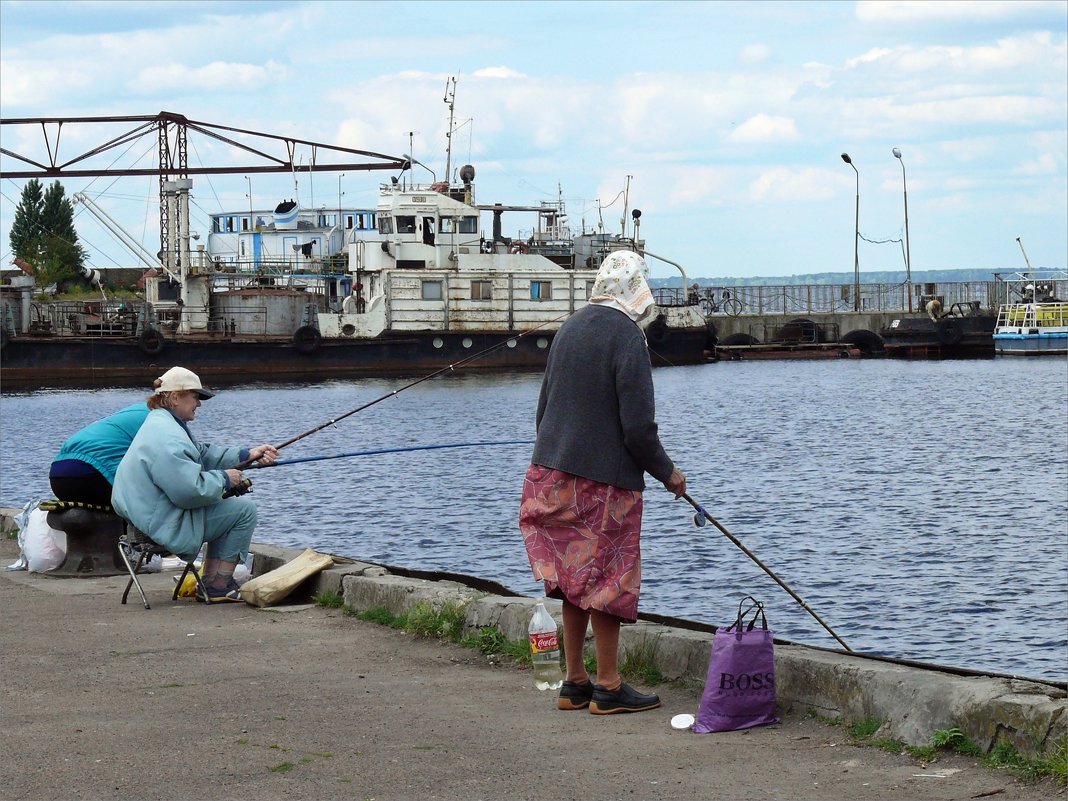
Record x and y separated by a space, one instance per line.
621 285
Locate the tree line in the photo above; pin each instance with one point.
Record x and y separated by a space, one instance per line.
43 235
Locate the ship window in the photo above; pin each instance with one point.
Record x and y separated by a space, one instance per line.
405 224
469 225
481 290
541 290
244 223
445 225
385 225
372 222
431 290
229 224
217 224
348 221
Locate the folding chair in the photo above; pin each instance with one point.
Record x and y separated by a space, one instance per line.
132 541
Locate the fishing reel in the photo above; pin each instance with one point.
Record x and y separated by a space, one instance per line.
699 520
240 488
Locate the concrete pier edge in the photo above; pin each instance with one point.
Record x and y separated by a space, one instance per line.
911 702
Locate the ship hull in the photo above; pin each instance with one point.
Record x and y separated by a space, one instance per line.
29 362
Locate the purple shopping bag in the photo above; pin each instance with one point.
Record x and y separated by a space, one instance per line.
740 688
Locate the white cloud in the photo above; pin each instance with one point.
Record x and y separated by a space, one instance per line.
788 185
925 11
765 128
1046 164
754 54
218 76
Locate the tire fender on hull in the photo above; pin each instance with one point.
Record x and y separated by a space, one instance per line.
151 341
950 332
306 339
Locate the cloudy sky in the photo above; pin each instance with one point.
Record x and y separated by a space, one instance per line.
726 119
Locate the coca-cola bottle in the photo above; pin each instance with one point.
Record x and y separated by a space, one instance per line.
545 649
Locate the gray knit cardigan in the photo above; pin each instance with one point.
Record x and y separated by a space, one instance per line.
596 411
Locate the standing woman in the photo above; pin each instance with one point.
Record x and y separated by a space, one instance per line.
171 487
582 498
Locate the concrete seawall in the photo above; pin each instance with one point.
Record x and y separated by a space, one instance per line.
912 702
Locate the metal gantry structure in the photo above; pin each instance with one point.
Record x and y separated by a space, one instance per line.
173 168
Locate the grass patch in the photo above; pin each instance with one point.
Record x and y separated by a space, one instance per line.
864 729
1053 764
381 616
640 662
489 640
282 767
445 622
330 600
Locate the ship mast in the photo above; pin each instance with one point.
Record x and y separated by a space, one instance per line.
450 99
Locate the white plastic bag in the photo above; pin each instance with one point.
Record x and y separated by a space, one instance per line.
20 521
42 546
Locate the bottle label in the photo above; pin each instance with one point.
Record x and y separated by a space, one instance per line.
544 641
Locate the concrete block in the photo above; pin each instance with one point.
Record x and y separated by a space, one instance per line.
397 594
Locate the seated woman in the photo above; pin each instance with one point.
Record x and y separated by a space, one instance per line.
84 468
171 487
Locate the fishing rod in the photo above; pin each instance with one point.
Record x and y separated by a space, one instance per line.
376 451
700 519
449 368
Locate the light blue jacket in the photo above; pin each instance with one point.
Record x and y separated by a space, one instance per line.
167 482
103 444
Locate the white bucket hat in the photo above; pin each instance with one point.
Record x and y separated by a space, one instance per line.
178 378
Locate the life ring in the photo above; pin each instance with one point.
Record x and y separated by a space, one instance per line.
657 333
151 341
306 339
949 331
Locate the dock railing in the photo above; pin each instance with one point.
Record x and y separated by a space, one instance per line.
802 299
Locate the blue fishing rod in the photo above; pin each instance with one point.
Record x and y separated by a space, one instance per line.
448 369
376 451
702 518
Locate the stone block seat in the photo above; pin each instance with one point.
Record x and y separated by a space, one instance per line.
93 534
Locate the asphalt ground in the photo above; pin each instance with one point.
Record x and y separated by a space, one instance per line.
187 701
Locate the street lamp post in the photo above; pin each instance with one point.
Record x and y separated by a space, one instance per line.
856 239
908 255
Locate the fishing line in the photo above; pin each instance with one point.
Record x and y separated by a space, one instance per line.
700 519
376 451
452 367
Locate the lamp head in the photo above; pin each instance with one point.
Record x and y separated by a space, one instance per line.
897 152
846 159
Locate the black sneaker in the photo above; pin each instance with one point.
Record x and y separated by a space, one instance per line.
574 695
625 699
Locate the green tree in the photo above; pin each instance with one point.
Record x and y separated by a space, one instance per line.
26 237
63 256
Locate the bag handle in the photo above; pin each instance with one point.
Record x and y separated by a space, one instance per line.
757 608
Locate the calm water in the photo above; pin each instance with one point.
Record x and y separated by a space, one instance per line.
921 509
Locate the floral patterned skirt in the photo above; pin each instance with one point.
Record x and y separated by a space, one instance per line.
582 540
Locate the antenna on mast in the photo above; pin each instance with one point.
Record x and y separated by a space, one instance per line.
450 99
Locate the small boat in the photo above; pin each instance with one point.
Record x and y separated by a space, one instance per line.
963 330
1034 320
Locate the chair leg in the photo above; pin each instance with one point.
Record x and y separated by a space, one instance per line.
125 551
201 587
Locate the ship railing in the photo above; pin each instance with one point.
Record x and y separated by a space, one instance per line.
800 299
89 318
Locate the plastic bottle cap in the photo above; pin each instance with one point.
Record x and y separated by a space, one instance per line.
683 721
